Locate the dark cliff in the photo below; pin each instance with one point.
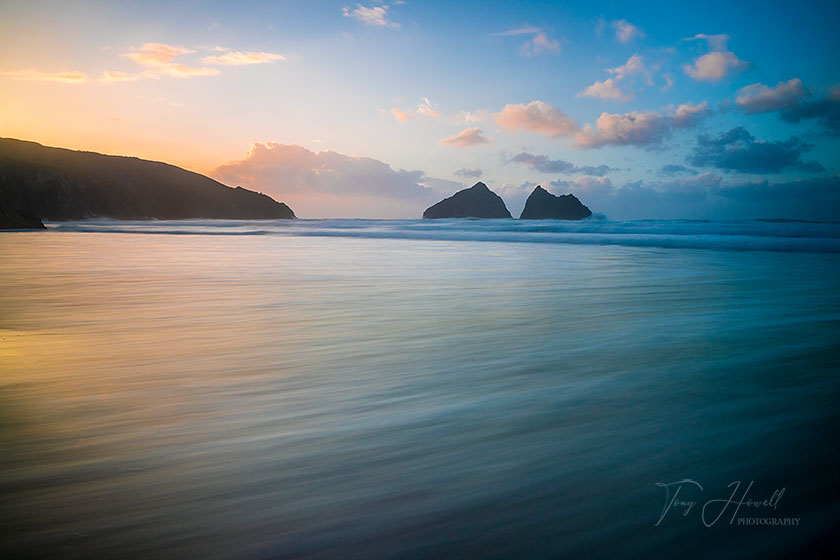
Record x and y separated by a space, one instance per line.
542 205
476 202
38 182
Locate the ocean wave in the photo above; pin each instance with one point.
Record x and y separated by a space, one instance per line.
735 235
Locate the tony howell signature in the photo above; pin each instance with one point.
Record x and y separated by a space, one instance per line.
678 498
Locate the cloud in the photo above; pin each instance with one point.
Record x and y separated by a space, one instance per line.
468 117
708 196
737 150
826 111
714 66
758 98
158 58
402 116
468 173
330 184
38 76
715 42
672 169
669 82
804 191
539 43
426 108
109 76
634 65
793 102
545 165
537 116
374 16
608 89
626 31
467 137
686 115
235 58
639 128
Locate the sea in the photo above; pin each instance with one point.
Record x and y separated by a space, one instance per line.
420 389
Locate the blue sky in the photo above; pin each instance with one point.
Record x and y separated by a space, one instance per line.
378 109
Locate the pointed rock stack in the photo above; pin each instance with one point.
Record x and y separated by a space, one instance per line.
542 205
476 202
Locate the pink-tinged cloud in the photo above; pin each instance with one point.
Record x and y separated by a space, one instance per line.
156 54
715 66
38 76
605 90
330 184
634 65
235 58
609 90
374 16
425 109
537 116
686 115
626 31
402 116
158 59
467 137
758 98
638 128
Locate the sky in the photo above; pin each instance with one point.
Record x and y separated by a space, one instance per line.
694 110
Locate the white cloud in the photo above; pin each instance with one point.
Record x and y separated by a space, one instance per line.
467 137
758 98
715 42
470 117
539 43
669 82
714 66
626 31
537 116
374 16
329 184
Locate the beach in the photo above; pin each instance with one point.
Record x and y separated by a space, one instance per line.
372 389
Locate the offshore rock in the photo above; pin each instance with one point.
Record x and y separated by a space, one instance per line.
475 202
